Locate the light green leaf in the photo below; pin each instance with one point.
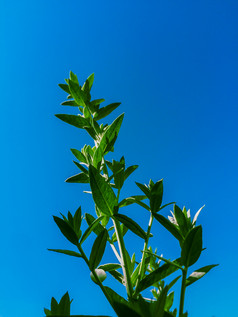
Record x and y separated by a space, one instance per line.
110 267
181 220
79 155
77 93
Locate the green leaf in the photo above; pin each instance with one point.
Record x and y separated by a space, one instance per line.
110 267
192 247
65 87
73 77
77 222
90 80
79 156
196 275
156 196
131 200
159 305
123 229
181 220
130 170
132 225
90 219
54 306
105 111
169 226
98 249
77 93
120 305
103 194
47 312
144 188
108 140
78 178
66 230
77 121
67 252
91 228
70 103
169 301
64 305
157 275
118 276
83 169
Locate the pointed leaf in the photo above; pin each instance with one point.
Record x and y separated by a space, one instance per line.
67 230
181 220
103 194
130 170
131 200
145 189
65 87
105 111
77 93
90 80
76 121
132 225
98 249
196 275
157 275
83 169
90 219
78 178
79 155
70 103
64 305
169 226
156 196
67 252
192 247
91 228
110 267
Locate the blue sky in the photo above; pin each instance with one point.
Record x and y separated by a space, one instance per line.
173 65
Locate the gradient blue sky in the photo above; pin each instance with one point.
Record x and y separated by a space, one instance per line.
174 67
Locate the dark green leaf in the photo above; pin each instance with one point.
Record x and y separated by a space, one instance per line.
196 275
73 77
192 247
83 169
64 305
102 192
54 306
70 103
77 221
132 225
65 87
144 188
169 301
131 200
156 196
67 252
78 178
124 230
96 102
47 312
159 305
181 220
90 219
157 275
120 305
76 121
169 226
130 170
98 249
105 111
118 276
67 230
91 228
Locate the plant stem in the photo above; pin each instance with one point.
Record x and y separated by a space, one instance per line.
182 295
95 275
142 267
124 262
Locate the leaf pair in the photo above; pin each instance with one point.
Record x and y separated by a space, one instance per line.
59 309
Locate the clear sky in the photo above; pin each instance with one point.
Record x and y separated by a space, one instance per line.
173 65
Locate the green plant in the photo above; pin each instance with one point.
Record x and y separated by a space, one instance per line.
109 224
